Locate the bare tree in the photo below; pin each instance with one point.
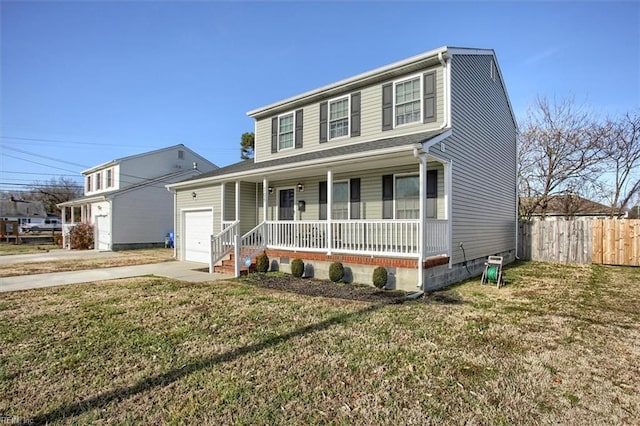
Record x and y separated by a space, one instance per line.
621 149
55 191
559 152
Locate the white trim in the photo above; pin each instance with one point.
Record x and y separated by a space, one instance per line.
421 95
293 133
336 99
448 182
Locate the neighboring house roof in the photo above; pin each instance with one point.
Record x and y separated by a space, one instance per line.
119 160
567 205
21 208
321 156
160 180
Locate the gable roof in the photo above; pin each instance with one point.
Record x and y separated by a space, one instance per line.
161 181
142 154
321 156
568 205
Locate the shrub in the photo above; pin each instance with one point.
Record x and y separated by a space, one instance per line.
81 236
297 267
336 272
379 277
262 262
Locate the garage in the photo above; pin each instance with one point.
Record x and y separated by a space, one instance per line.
198 228
103 232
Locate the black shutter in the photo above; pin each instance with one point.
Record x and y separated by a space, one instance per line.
432 184
299 129
387 197
355 198
429 86
323 121
322 201
355 114
274 134
387 106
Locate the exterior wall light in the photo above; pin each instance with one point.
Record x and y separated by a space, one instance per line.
300 187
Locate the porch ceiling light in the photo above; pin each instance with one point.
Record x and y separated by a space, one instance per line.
300 187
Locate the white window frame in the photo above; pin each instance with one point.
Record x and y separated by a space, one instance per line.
108 181
88 184
339 98
421 100
98 179
333 200
395 192
293 133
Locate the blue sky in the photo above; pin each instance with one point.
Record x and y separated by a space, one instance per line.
83 83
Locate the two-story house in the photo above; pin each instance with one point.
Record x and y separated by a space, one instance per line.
127 201
411 166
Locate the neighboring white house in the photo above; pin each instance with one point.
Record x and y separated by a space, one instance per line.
22 211
126 199
411 166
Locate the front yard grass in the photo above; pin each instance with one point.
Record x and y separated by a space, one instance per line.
123 258
559 344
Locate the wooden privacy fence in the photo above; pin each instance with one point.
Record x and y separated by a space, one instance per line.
598 241
616 242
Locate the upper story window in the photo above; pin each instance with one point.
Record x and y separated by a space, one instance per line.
109 182
285 131
180 154
407 101
411 100
339 118
98 181
88 186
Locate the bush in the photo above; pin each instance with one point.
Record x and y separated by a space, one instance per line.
81 236
336 272
379 277
262 262
297 267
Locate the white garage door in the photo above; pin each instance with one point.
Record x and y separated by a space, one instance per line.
198 227
103 233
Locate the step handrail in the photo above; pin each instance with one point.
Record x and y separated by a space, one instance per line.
223 243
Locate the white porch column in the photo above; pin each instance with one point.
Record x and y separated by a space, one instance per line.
422 223
265 199
237 200
223 194
329 211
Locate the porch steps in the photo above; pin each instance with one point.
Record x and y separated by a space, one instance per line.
227 266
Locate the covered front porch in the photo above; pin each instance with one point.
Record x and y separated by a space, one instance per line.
391 207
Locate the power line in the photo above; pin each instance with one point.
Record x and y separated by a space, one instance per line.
40 164
49 158
34 173
72 142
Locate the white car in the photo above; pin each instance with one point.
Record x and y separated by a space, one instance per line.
45 225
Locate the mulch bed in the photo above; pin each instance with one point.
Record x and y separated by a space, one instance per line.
324 288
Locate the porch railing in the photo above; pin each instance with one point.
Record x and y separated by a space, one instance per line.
368 237
222 244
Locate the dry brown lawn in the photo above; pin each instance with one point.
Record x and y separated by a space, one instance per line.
124 258
558 345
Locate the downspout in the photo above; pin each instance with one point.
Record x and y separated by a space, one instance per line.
445 91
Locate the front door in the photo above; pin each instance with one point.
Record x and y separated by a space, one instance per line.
285 206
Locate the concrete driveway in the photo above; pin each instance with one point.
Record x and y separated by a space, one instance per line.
183 271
